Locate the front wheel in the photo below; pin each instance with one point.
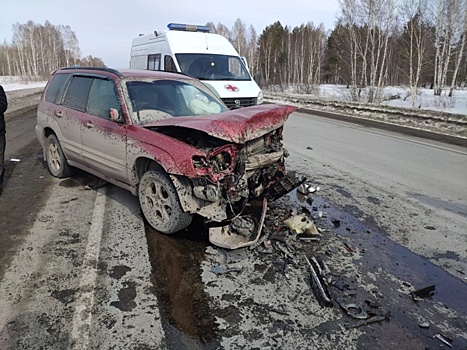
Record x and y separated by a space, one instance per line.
56 160
160 204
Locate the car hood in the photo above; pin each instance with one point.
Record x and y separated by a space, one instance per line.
236 126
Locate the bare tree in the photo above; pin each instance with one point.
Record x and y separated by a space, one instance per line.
239 37
463 38
414 42
448 17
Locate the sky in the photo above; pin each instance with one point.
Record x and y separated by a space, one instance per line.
105 28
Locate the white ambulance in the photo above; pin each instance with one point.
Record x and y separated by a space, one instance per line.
195 51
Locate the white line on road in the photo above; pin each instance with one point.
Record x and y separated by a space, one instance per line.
83 310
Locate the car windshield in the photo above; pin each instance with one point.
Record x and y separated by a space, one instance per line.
160 99
213 67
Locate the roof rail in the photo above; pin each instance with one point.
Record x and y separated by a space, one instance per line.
106 69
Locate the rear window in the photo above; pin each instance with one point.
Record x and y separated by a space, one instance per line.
76 96
55 87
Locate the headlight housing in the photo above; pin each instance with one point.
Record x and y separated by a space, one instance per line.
260 98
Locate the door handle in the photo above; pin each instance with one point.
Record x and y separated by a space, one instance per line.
58 113
89 125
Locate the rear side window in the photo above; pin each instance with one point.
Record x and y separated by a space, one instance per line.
55 87
76 96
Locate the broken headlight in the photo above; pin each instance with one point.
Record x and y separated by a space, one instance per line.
220 161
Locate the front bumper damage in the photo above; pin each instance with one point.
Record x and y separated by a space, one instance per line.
231 178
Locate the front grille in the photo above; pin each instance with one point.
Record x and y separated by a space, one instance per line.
244 102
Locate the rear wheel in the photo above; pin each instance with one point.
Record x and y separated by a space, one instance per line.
56 160
160 204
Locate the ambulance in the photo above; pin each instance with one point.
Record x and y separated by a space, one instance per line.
209 57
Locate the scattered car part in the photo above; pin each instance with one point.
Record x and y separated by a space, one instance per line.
224 237
284 186
220 270
373 319
301 224
319 285
426 292
444 339
354 310
232 256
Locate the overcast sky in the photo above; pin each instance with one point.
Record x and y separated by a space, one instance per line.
105 28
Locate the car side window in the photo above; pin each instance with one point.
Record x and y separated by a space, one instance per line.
56 87
102 97
76 96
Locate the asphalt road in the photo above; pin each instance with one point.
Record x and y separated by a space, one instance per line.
414 188
79 269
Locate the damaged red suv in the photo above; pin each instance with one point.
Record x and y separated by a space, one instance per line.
166 138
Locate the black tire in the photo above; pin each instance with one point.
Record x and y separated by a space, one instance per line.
56 160
160 204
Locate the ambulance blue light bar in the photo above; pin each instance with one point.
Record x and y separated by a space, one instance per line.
188 27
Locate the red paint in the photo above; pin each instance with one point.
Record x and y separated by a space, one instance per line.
236 126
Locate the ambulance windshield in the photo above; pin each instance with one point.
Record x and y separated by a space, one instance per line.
213 67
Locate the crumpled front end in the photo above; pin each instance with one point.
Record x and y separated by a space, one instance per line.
230 175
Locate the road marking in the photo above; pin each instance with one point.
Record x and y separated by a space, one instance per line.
83 310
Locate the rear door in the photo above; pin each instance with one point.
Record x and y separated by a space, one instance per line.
69 115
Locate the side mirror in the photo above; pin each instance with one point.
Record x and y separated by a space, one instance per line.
115 115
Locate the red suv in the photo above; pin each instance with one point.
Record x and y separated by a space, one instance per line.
163 136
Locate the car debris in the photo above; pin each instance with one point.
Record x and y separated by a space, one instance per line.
424 325
227 237
369 321
350 248
319 284
302 224
233 256
354 310
220 270
426 292
444 339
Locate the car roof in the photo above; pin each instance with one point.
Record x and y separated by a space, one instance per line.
126 73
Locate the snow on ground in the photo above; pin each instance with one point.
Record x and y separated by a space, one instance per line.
12 83
397 97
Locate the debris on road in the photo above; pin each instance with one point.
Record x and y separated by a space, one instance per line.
426 292
444 339
350 248
229 237
354 310
220 270
368 321
301 224
319 284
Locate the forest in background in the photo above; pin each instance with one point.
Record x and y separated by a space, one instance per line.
375 43
36 50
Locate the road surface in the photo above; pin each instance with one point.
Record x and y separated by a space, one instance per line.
80 269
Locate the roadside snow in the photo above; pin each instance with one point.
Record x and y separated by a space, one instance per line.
13 83
393 96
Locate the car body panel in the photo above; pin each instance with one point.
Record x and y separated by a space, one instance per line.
104 142
236 126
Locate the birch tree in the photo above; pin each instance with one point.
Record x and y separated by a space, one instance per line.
449 18
414 43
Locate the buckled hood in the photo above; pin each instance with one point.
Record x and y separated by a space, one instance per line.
237 126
